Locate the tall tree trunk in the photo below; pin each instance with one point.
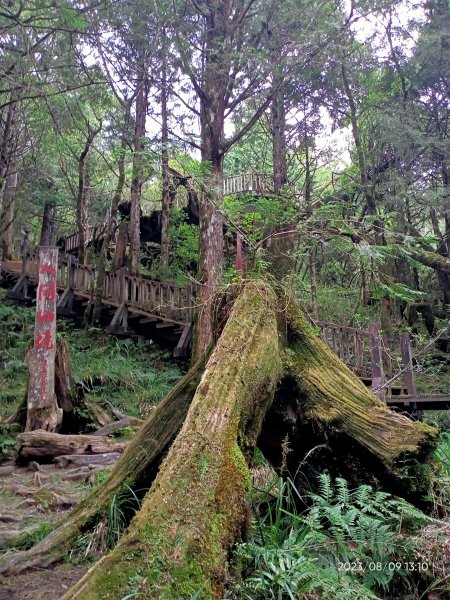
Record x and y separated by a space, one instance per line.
83 193
5 148
9 212
48 224
278 118
166 195
138 173
111 221
211 220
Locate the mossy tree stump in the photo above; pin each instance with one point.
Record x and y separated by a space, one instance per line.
177 545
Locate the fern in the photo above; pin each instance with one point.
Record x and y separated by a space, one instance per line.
292 554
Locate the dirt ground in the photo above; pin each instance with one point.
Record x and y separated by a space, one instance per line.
33 498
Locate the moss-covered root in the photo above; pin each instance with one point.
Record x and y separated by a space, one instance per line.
334 396
142 456
177 544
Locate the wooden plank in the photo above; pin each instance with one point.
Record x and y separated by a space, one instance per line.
405 349
183 342
378 378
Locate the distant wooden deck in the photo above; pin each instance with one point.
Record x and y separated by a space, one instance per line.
248 183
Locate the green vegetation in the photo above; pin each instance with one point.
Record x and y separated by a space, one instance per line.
348 543
131 377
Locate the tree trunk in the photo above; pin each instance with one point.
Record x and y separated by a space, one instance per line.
110 223
6 146
121 246
166 195
8 215
278 117
83 194
138 174
48 224
195 509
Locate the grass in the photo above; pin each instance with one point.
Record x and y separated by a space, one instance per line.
131 377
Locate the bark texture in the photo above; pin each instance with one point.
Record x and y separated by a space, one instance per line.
333 395
194 511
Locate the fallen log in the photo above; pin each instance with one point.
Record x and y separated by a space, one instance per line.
87 460
195 508
44 444
115 425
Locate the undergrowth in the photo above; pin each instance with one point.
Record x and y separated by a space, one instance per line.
349 543
131 377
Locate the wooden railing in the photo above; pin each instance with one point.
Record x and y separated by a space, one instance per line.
247 183
385 362
72 242
166 300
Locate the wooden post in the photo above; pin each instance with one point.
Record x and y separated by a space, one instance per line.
42 408
65 303
405 348
377 362
239 252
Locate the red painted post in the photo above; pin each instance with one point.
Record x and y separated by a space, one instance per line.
42 408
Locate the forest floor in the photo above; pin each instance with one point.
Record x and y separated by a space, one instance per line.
27 514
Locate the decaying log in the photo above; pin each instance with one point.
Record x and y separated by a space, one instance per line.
195 508
110 428
43 444
86 460
137 465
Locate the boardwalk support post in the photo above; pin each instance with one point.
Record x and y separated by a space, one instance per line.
20 290
65 303
405 348
119 323
378 379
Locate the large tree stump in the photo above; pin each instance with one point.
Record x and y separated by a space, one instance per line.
195 508
178 542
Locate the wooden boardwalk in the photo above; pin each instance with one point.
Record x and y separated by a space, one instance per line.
383 364
248 183
135 304
146 302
